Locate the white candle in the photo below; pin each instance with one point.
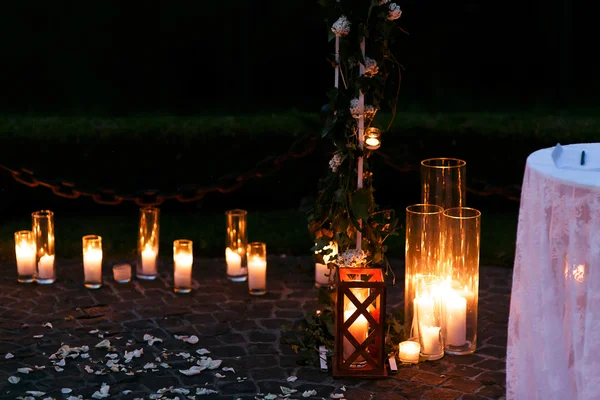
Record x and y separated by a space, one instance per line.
183 270
25 259
92 265
456 319
424 306
257 273
431 339
372 142
46 267
359 329
148 261
234 263
409 352
122 273
321 274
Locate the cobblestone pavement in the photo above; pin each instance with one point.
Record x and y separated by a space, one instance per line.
241 330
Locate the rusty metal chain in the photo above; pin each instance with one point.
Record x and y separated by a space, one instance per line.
301 147
476 187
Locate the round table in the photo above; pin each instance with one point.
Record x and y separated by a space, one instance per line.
554 325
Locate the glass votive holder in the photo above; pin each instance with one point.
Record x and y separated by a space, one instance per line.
148 240
43 234
257 268
372 138
235 245
409 351
92 261
122 273
183 259
25 254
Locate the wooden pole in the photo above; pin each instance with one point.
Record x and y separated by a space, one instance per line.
361 135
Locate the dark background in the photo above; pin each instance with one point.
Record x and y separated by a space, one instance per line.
190 57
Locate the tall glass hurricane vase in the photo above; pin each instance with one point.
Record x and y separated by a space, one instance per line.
461 291
236 242
148 240
423 255
43 233
443 182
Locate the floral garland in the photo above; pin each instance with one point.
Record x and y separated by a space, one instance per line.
342 208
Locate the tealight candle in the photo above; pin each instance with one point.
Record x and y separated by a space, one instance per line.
92 261
25 254
122 273
257 268
183 259
409 351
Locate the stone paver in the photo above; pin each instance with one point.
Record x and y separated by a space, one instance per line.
241 330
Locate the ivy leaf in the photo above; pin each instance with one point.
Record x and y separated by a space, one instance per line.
362 201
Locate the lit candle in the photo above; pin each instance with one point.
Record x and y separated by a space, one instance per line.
183 270
46 267
359 329
409 352
431 339
25 259
429 328
234 263
257 274
122 273
92 266
456 319
322 274
148 260
372 142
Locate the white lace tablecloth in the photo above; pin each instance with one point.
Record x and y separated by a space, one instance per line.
554 325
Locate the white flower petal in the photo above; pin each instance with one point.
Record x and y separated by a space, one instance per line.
195 370
14 379
35 393
337 395
308 393
66 390
25 370
93 331
58 369
292 378
204 391
105 344
48 325
149 366
38 336
202 351
9 355
287 391
61 363
218 375
228 369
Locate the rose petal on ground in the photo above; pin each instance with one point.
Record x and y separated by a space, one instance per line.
149 366
337 395
48 325
93 331
228 369
105 344
204 391
218 375
9 355
192 339
308 393
35 393
66 390
14 379
61 363
195 370
292 378
38 336
202 351
58 369
25 370
287 391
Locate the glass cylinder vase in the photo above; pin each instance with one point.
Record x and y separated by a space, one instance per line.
429 317
92 261
325 270
462 232
43 233
257 268
422 255
148 243
443 182
183 258
25 256
236 242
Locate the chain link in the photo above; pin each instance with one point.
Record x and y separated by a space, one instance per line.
301 147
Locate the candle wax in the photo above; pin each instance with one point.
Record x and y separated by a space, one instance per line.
183 270
257 273
46 267
149 261
234 263
456 320
92 265
25 259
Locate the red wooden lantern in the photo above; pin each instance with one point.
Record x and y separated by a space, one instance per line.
360 323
